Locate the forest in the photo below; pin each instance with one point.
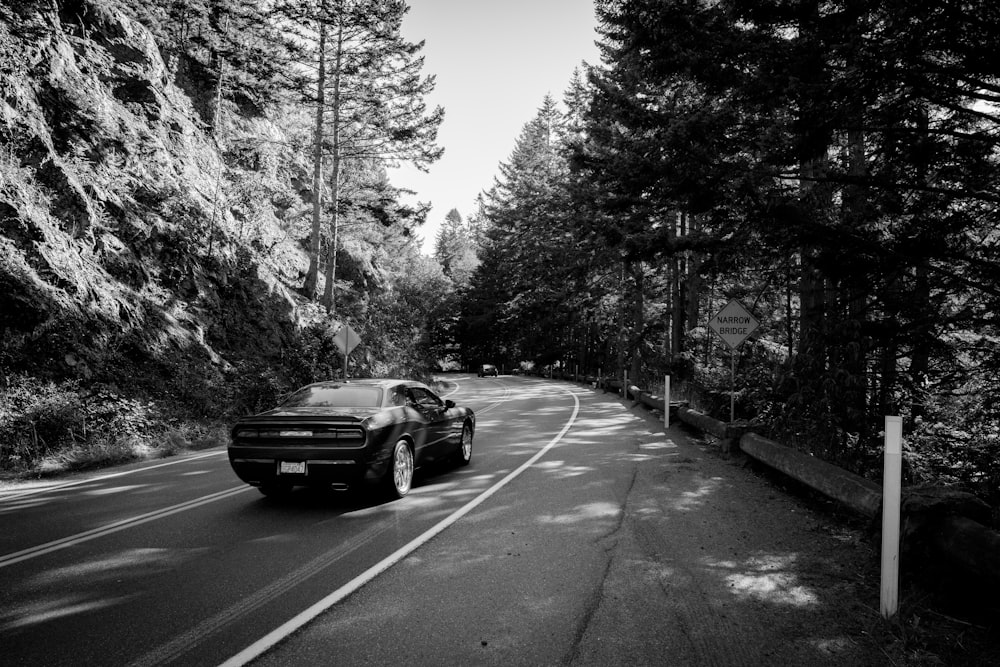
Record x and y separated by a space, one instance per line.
195 197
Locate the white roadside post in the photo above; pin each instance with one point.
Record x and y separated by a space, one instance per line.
666 401
891 490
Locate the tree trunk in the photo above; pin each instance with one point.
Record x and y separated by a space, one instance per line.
677 292
331 265
814 145
694 284
855 291
622 323
312 274
920 356
638 319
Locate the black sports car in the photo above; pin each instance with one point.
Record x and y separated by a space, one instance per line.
341 434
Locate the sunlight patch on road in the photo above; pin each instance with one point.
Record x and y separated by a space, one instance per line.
658 445
768 579
105 568
113 489
564 470
45 611
610 426
586 512
690 500
459 492
834 646
18 505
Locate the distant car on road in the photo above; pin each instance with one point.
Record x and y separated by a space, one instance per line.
343 434
488 370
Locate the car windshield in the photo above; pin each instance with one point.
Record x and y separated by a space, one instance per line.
335 396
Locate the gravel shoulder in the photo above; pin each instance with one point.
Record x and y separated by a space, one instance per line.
742 566
715 566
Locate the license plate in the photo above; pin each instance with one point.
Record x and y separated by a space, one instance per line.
292 468
295 434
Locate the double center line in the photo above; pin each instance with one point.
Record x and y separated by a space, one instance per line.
94 533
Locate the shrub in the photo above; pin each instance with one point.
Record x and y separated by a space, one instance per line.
255 386
60 424
37 418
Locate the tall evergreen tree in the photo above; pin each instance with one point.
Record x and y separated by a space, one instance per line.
455 249
519 299
368 94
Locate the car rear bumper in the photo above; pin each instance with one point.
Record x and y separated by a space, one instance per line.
261 465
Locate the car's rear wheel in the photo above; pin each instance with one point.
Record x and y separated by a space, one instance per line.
399 477
464 453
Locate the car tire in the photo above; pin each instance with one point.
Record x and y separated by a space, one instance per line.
275 489
464 453
399 476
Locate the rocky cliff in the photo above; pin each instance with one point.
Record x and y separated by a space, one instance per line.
119 245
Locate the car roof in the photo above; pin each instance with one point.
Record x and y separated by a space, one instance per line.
382 383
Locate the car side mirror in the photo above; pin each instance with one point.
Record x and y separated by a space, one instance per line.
449 404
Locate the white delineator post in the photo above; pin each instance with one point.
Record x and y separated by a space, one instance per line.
891 491
666 401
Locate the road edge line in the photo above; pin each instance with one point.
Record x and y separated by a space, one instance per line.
284 630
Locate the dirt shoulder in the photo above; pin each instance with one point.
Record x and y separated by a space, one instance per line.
742 566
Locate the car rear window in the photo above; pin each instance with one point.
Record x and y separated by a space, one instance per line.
336 396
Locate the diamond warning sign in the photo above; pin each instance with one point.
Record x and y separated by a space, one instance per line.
734 324
346 339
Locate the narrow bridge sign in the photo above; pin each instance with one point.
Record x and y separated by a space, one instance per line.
346 339
734 324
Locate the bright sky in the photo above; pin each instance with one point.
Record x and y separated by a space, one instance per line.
495 60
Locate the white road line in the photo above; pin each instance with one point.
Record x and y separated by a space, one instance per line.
188 641
490 406
17 494
272 638
497 403
94 533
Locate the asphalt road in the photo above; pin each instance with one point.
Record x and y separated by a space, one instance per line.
578 535
177 561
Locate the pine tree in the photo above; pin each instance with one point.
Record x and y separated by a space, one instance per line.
455 249
520 299
368 95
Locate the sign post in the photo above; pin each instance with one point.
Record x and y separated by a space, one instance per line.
346 339
733 324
